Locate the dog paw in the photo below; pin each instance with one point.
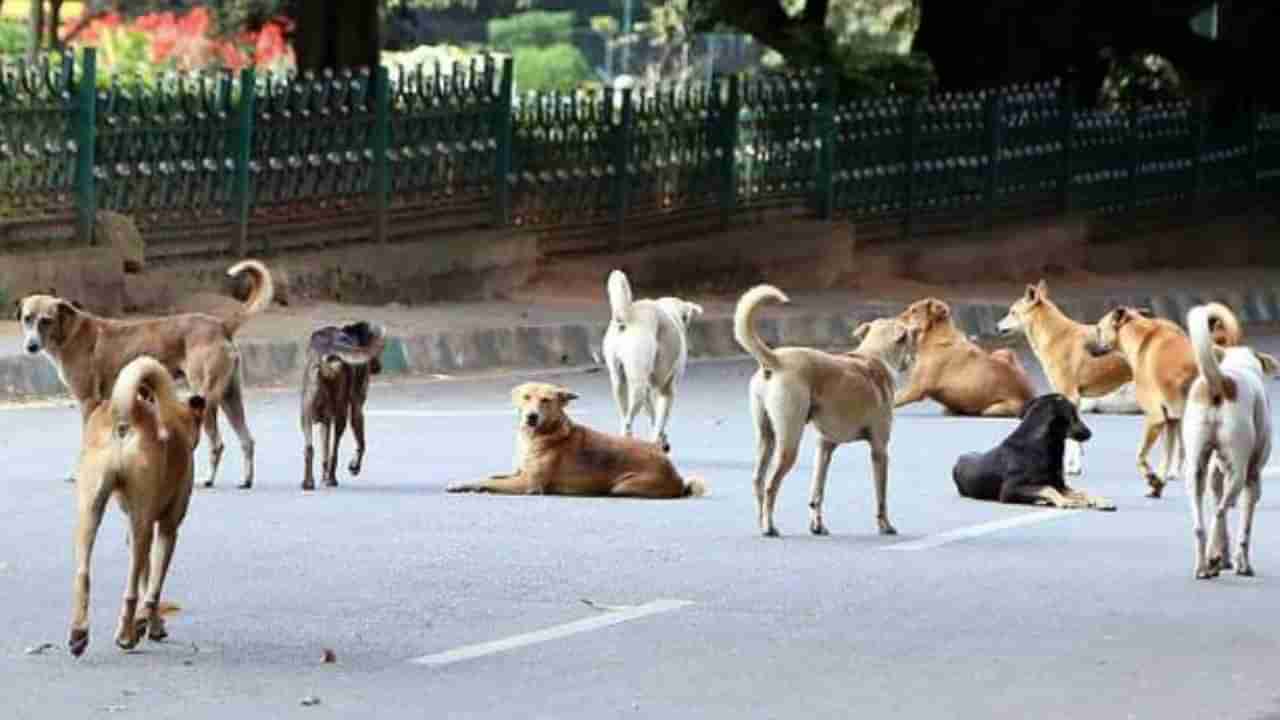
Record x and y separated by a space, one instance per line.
1204 574
127 636
331 482
207 483
770 532
887 529
78 642
817 528
354 468
457 488
246 485
308 485
156 631
70 479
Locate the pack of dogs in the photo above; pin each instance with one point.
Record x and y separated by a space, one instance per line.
1201 390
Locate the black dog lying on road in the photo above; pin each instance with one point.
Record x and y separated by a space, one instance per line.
1027 466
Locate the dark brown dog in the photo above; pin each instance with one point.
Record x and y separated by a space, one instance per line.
335 384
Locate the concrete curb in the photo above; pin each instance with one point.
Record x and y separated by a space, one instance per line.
577 344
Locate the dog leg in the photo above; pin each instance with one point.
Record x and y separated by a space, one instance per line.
161 555
326 430
141 532
1195 496
1004 408
765 443
1251 496
1151 431
906 396
880 467
215 442
89 519
308 453
233 404
1219 547
1089 500
1072 462
822 461
1045 495
665 398
357 429
618 381
638 395
516 484
339 427
1171 467
1218 474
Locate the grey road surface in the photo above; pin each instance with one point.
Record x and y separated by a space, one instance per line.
601 608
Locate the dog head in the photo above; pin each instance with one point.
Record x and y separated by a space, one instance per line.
1106 335
46 321
540 406
682 310
925 314
1016 319
1057 416
891 340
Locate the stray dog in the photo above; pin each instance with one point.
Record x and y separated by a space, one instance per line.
1059 344
846 397
955 372
1027 465
137 447
1160 356
335 385
89 351
646 348
1227 418
560 457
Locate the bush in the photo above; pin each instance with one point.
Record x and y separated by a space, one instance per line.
869 74
13 38
557 67
531 28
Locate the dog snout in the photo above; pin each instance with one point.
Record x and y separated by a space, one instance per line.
33 347
531 419
1080 433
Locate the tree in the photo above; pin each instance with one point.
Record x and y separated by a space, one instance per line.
800 37
336 33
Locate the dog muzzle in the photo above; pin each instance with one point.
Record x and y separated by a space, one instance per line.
531 420
1081 435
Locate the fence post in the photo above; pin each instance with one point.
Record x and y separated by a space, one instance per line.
993 106
1200 117
502 129
728 150
826 141
1067 110
1135 161
381 147
911 128
85 130
240 189
621 159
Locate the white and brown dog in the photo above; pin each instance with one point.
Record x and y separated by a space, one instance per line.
137 447
846 397
1226 428
646 349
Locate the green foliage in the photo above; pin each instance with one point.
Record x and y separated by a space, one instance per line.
866 74
534 28
13 38
555 67
1140 79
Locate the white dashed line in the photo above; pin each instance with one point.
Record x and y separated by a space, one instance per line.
972 531
556 632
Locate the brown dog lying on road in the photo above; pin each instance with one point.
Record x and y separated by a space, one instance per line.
335 385
137 448
953 371
89 351
560 457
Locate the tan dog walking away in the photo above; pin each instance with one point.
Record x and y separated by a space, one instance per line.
559 457
1059 344
953 371
1163 363
89 351
847 398
138 449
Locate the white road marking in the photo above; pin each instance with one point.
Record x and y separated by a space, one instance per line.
556 632
972 531
452 413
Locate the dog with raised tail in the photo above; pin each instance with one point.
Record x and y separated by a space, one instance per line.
138 448
335 386
1226 429
846 397
646 349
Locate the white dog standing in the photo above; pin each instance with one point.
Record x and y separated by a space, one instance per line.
1227 419
646 349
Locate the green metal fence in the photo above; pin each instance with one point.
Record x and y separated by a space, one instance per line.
247 164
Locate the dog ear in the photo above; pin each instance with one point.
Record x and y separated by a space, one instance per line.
860 332
565 396
1032 294
939 310
1270 365
1145 312
17 309
1042 288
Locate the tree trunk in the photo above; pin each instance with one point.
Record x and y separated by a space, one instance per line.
336 34
55 22
36 29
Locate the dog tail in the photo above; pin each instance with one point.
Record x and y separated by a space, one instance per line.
695 486
619 297
144 393
744 323
1231 333
262 290
1199 321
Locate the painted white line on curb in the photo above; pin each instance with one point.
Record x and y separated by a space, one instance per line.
972 531
453 413
556 632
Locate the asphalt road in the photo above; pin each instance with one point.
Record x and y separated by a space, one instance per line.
1065 615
